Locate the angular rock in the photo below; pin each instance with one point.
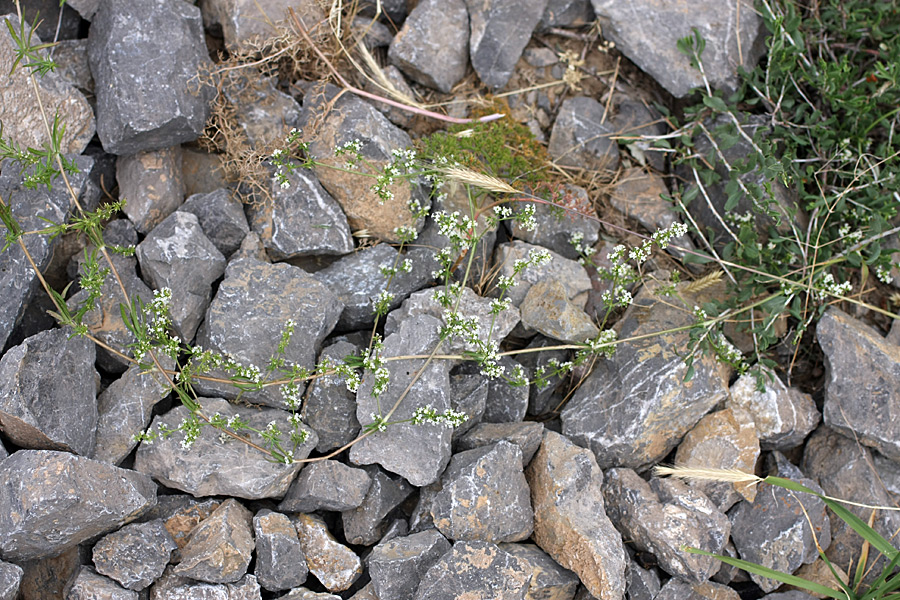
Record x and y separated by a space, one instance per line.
86 8
263 114
175 587
476 571
3 452
470 304
330 408
48 393
152 184
280 562
526 435
783 416
221 217
500 30
676 589
372 33
634 408
52 501
220 547
203 173
633 119
251 247
72 64
662 517
398 116
326 485
863 389
418 453
432 47
301 219
20 111
127 54
397 566
88 584
571 274
10 578
566 13
642 584
48 577
581 138
484 496
541 367
212 467
357 280
820 572
333 564
177 255
774 531
842 467
353 120
638 195
246 21
547 309
648 34
51 14
722 440
302 593
181 520
136 555
247 317
29 207
557 226
125 410
365 524
468 395
548 580
570 521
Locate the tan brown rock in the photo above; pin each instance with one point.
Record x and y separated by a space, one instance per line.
335 566
820 573
570 521
152 185
783 416
723 440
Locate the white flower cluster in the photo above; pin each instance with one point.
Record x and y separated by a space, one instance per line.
827 286
584 252
459 326
604 343
382 302
525 218
428 414
490 361
290 391
459 229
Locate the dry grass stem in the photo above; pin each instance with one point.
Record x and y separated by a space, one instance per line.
479 180
706 474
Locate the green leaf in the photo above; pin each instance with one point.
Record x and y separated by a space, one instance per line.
715 103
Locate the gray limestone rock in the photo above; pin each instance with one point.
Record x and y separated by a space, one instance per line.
484 496
300 220
52 501
72 64
634 408
352 120
581 138
648 34
499 32
397 566
20 111
48 13
570 521
566 13
86 8
365 524
418 453
136 555
327 485
632 119
248 315
203 173
774 530
862 392
556 226
548 310
29 207
178 255
152 184
264 114
662 517
526 435
468 395
221 217
372 33
10 578
48 393
475 570
220 547
89 584
642 584
175 587
335 566
398 116
676 589
302 593
540 366
280 562
783 416
548 579
571 274
214 467
843 468
330 408
246 21
432 47
357 280
146 96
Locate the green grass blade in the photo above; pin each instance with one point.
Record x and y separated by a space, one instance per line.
862 528
762 571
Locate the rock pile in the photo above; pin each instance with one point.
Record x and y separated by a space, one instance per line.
519 502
